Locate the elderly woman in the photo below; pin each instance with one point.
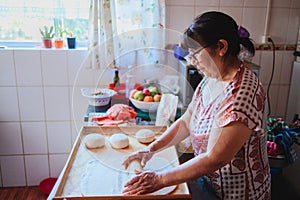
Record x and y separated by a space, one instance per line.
224 120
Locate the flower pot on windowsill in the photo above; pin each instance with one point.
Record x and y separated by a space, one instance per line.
47 42
59 43
71 42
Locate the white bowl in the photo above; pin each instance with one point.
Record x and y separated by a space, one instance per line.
145 106
98 96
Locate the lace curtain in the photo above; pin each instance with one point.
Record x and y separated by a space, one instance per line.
119 26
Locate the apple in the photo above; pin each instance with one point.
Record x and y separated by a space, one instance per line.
132 93
138 87
153 90
146 92
157 98
138 95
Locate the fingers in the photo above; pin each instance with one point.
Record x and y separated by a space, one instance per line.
129 159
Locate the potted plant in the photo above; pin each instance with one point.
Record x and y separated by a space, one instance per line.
71 39
59 40
47 35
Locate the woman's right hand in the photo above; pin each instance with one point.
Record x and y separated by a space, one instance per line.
143 155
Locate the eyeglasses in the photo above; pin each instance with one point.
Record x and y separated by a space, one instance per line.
192 56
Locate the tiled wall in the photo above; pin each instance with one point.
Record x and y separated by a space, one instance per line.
38 105
283 29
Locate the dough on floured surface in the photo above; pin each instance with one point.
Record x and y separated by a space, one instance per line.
94 140
102 180
145 135
119 141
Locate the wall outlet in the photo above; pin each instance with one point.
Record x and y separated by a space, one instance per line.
264 39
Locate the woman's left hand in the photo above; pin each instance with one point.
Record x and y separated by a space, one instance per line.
143 183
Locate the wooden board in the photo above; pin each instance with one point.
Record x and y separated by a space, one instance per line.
69 183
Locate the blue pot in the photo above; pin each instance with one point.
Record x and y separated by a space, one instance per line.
71 43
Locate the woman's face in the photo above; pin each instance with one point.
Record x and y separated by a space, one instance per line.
202 58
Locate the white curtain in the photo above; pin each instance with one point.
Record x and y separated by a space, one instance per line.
119 26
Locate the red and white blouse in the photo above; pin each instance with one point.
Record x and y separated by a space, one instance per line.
215 105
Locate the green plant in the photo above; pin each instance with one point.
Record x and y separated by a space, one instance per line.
60 31
47 32
69 33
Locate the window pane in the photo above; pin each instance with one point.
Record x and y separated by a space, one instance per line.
21 19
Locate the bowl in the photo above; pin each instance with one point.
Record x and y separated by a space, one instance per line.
47 184
145 106
98 96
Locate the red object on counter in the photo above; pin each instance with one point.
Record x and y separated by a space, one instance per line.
47 184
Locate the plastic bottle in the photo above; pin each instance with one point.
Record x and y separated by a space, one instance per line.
129 83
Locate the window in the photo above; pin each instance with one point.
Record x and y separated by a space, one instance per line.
21 20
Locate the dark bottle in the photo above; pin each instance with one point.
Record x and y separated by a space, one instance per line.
116 79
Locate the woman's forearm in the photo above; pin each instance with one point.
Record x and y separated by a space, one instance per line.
173 135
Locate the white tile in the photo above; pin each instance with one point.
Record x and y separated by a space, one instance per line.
13 171
293 27
28 67
207 3
37 169
283 94
57 103
79 104
75 130
273 97
278 26
180 2
34 137
250 18
232 3
9 104
281 4
179 18
7 70
202 9
11 139
31 102
57 163
267 64
75 67
255 3
235 12
54 67
287 67
59 137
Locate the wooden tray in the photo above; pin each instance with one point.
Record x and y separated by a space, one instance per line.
68 185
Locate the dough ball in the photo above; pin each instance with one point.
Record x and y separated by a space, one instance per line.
119 140
145 135
94 140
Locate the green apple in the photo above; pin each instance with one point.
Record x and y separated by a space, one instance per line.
153 90
138 96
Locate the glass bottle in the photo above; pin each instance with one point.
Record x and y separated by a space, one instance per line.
116 79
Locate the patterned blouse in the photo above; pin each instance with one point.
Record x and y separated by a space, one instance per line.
215 105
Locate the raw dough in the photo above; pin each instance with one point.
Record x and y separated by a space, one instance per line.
134 165
145 135
119 140
94 140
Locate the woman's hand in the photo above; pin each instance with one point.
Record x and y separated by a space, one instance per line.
143 183
143 156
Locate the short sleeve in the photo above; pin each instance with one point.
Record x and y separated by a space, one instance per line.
244 102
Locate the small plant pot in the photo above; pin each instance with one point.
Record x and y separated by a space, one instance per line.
59 43
47 42
71 42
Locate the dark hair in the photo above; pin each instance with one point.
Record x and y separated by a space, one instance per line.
207 29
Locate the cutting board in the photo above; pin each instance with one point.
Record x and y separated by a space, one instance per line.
77 172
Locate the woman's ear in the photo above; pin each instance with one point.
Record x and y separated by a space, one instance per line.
223 47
